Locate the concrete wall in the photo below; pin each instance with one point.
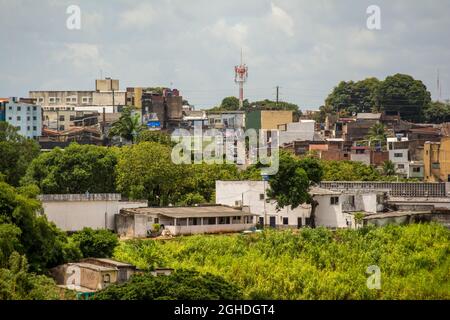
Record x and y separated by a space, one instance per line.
218 228
272 119
253 195
75 215
303 130
364 157
55 98
359 201
330 216
106 98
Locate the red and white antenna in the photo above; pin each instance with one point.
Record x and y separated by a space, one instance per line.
240 77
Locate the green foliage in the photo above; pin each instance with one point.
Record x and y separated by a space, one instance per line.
155 136
76 169
95 243
128 126
377 134
354 97
181 285
349 171
291 183
41 242
17 284
389 168
437 112
16 153
312 263
402 93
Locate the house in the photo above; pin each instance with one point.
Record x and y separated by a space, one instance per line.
73 212
361 154
304 130
23 114
436 160
398 148
226 119
328 212
138 222
267 119
92 274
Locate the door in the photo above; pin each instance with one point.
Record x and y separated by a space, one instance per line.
272 222
261 221
299 223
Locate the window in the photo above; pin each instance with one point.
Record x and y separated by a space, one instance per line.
334 201
416 169
28 118
10 118
41 100
435 165
224 220
195 221
52 99
285 221
34 108
28 109
307 221
261 196
398 155
401 166
19 118
34 128
62 118
72 117
209 221
58 100
86 100
19 109
67 100
106 278
61 128
157 220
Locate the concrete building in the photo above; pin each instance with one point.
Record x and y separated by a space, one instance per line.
328 212
436 161
226 119
61 119
138 222
73 212
25 116
267 119
361 154
92 274
304 130
398 148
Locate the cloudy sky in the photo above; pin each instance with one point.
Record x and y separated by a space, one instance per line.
305 47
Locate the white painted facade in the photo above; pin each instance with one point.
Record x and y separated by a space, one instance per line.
75 212
302 130
399 156
27 118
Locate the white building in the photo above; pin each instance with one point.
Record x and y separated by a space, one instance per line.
398 154
26 117
73 212
328 213
302 130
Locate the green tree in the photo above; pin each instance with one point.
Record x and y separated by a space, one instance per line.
76 169
377 133
354 97
181 285
402 93
349 171
155 136
437 112
146 171
43 244
95 243
273 105
389 168
16 153
128 126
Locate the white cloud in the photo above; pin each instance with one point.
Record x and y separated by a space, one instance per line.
138 17
82 57
233 34
282 20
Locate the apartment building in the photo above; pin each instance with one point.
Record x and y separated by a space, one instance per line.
436 161
23 114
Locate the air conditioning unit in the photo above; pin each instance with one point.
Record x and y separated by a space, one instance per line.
238 203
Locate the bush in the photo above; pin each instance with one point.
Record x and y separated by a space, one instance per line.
181 285
95 243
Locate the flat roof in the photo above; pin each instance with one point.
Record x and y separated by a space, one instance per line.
92 266
189 212
108 261
368 116
315 191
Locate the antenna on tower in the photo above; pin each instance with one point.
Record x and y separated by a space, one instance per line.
439 90
240 77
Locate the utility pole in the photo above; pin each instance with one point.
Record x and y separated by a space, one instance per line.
278 95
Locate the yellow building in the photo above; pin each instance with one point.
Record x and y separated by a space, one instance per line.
436 157
268 119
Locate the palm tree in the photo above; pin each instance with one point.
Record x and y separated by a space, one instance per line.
389 168
128 126
377 133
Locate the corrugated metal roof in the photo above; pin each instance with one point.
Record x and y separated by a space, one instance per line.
188 212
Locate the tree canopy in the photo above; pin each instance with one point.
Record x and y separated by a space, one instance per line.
75 169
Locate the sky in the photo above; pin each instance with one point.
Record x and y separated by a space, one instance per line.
304 47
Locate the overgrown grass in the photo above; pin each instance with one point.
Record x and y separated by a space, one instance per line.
312 264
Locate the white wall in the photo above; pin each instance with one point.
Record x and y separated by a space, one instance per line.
327 215
75 215
303 130
231 192
30 122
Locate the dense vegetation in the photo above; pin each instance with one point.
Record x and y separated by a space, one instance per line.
181 285
95 243
314 263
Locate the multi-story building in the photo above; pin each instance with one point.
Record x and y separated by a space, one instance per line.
106 95
24 115
267 119
64 118
398 148
436 161
226 120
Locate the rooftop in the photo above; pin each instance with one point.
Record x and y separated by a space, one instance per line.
369 116
316 191
188 212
